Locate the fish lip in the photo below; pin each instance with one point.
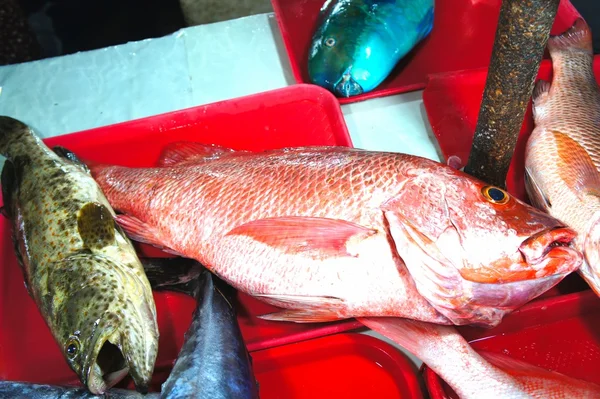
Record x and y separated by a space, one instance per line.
100 385
346 86
551 243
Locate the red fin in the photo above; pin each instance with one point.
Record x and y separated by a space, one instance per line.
576 167
577 36
140 231
191 152
536 196
417 337
299 234
302 316
514 366
312 309
542 87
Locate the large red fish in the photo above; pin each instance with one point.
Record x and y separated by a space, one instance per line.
331 233
475 375
562 159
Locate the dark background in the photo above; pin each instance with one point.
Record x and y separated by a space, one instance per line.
33 29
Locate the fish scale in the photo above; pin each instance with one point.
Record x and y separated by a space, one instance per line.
562 158
303 229
79 267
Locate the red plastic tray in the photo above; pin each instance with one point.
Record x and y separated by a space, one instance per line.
299 115
462 38
560 334
452 102
339 366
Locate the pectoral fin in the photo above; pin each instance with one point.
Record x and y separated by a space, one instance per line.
142 232
311 309
576 167
297 234
96 225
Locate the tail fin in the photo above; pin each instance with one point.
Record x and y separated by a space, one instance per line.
577 37
417 337
448 354
15 137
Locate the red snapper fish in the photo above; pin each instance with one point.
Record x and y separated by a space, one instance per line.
478 375
330 233
562 158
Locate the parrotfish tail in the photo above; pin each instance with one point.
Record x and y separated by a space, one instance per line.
16 138
577 37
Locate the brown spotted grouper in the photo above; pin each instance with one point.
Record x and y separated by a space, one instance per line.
79 267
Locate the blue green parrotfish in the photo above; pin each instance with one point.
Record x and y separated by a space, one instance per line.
358 43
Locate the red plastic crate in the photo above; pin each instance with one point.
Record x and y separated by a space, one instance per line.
452 102
340 366
462 38
560 334
299 115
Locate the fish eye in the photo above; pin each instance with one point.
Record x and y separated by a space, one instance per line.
72 347
495 195
330 42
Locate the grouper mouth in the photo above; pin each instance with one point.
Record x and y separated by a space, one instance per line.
106 369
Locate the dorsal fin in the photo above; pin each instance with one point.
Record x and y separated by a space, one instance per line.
96 225
184 152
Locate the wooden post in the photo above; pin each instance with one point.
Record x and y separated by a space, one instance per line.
521 37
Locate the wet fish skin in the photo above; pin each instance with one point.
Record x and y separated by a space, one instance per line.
475 375
329 233
213 361
23 390
562 157
357 43
79 267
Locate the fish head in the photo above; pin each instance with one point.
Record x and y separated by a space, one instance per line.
348 56
473 248
104 327
331 60
356 46
345 67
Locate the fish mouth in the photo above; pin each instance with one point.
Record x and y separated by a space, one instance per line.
549 251
106 369
346 86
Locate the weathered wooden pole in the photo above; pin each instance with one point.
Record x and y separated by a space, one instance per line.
521 37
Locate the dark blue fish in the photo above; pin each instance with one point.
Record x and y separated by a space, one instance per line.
213 361
358 43
23 390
